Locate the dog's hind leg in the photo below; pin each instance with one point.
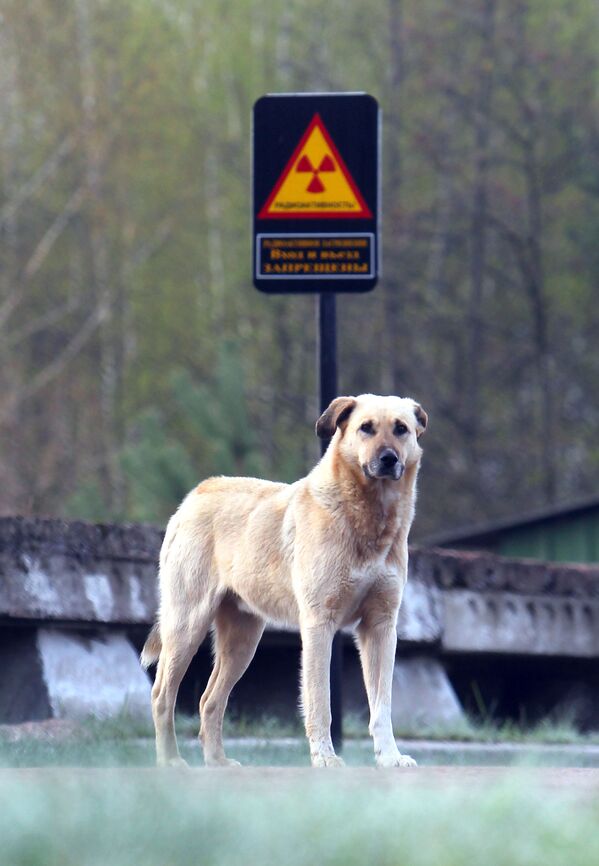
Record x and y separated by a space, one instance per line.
235 640
180 641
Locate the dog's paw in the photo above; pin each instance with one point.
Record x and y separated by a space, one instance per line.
222 762
395 759
177 762
327 761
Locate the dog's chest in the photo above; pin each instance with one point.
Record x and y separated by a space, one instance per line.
348 596
373 534
362 576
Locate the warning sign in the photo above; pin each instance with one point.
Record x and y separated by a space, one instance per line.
316 192
315 182
311 256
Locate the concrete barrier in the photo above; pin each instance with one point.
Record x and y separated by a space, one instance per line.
82 577
74 572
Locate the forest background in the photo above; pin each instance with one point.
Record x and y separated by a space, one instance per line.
135 355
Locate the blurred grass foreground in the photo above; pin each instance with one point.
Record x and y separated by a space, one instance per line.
88 794
61 817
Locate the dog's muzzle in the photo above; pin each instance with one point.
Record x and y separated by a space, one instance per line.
385 465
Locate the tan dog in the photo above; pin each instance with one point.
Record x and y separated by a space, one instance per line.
328 551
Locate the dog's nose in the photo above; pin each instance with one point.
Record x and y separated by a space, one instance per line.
388 458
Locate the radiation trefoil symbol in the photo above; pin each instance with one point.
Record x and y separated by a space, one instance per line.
316 184
329 192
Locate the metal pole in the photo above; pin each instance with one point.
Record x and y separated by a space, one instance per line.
327 352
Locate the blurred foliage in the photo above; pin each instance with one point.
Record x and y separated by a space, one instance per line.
85 818
202 430
135 356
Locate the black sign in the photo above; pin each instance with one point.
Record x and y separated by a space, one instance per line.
316 193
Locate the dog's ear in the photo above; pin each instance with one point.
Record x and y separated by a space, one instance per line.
421 418
335 415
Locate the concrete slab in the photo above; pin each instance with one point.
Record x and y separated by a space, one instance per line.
507 622
420 615
48 673
97 676
75 572
422 694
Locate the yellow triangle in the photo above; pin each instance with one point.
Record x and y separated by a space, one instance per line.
331 193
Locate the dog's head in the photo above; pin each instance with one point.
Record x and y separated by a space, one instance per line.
378 434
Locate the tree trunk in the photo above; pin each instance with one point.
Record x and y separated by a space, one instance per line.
478 227
534 271
11 496
540 318
99 255
391 376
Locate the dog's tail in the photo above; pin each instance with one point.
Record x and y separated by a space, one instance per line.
152 647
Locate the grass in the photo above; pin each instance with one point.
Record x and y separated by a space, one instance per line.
163 819
125 816
355 726
129 742
547 732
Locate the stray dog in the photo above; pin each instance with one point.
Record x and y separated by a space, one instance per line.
328 551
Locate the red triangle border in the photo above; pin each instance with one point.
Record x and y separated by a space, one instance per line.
363 213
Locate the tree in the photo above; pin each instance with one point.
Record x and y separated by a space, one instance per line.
130 335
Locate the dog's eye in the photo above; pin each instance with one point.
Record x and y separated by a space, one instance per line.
400 429
367 427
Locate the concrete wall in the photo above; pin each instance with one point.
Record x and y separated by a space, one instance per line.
98 582
73 572
91 575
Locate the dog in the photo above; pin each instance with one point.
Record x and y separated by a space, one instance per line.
328 551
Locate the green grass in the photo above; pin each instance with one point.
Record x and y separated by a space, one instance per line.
125 817
547 731
174 819
128 742
356 727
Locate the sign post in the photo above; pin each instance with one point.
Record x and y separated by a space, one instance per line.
316 206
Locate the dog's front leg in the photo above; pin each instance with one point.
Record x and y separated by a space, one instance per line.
377 641
317 640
